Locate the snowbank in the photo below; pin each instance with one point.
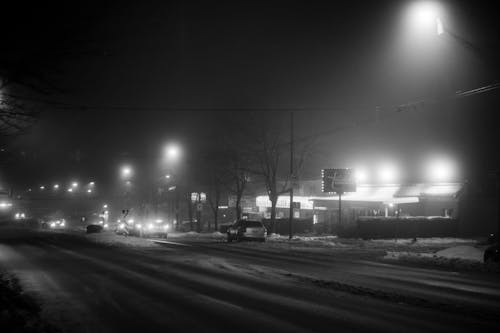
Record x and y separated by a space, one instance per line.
462 257
112 239
462 252
424 241
195 235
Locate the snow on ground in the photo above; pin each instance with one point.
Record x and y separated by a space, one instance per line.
462 257
462 252
423 241
112 239
195 235
275 240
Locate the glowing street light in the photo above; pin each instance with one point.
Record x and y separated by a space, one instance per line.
70 189
74 184
56 186
42 187
361 175
173 152
441 170
167 176
387 173
91 183
126 172
424 16
89 190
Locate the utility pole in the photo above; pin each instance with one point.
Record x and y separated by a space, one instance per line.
340 208
292 180
177 222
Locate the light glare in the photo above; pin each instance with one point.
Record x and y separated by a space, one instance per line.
441 170
388 173
424 18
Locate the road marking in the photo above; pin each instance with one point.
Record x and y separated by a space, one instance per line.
167 242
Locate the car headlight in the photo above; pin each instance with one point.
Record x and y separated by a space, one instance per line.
53 225
122 226
63 224
105 225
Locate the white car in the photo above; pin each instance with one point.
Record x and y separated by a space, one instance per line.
246 229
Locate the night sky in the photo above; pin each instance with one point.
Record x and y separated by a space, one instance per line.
128 77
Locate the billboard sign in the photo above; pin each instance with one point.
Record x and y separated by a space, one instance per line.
338 180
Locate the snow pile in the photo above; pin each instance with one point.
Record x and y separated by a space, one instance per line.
462 257
112 239
216 235
462 252
306 241
423 241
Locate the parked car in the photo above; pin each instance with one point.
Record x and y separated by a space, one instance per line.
246 229
492 252
94 228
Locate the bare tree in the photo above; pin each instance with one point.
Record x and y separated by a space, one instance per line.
238 175
15 116
214 197
271 163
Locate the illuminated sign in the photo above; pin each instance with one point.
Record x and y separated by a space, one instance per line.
338 180
299 202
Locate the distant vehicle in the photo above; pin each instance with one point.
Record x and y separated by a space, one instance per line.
20 216
492 253
94 228
54 224
158 228
154 228
246 229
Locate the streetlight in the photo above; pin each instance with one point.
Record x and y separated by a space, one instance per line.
424 17
56 186
387 173
126 172
172 152
361 175
74 184
441 169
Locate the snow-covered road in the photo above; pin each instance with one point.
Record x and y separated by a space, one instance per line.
214 286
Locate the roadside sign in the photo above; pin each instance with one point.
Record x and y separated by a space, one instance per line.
338 180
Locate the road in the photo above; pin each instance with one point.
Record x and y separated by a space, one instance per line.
212 286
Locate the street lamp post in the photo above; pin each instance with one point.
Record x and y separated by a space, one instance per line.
198 198
292 180
172 154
